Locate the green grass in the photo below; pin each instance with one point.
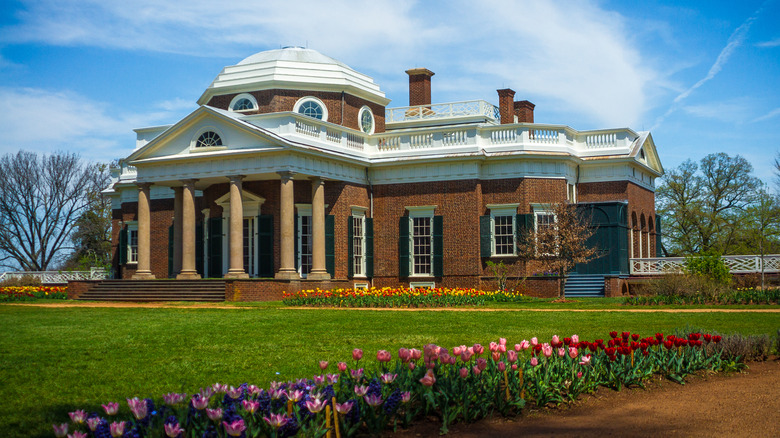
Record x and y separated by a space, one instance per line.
54 360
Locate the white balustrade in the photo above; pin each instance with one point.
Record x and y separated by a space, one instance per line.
418 141
389 143
454 138
503 136
354 141
333 135
737 264
58 277
307 128
598 141
545 136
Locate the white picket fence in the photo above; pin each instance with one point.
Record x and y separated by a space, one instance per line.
59 277
737 264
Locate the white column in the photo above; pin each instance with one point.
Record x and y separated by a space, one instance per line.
236 252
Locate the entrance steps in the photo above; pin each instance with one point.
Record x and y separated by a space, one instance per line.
580 286
156 290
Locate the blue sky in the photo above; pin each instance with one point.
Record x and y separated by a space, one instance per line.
701 76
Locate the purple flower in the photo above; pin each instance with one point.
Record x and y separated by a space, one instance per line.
360 391
61 430
173 398
93 422
276 420
200 402
373 399
77 434
173 430
235 428
137 407
319 380
111 408
406 396
214 414
357 374
344 408
78 417
388 378
315 405
332 378
234 393
250 406
117 428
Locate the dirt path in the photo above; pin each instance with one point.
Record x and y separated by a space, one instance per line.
739 405
164 305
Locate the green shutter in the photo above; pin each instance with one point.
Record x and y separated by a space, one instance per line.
438 246
485 249
330 245
369 232
524 224
215 247
171 274
122 248
265 245
295 245
403 246
199 248
350 250
658 247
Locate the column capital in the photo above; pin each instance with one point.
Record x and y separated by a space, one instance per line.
236 178
286 175
190 183
317 179
143 185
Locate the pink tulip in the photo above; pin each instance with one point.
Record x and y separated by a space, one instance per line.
534 341
466 356
416 354
315 405
276 420
323 364
405 355
117 428
276 393
464 372
511 356
357 354
430 365
482 364
214 414
388 378
332 378
111 408
173 398
250 406
373 400
546 350
234 393
319 380
218 388
496 356
235 428
61 430
406 396
575 339
77 434
476 370
501 367
173 430
501 348
77 417
478 349
357 374
493 347
534 361
573 352
342 367
296 395
502 341
561 352
199 402
445 358
383 356
93 422
556 340
579 374
457 350
524 345
514 367
137 407
360 391
429 379
585 360
254 390
411 366
344 408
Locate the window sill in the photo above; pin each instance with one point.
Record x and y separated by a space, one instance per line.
503 256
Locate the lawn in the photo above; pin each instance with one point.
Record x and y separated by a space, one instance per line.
55 360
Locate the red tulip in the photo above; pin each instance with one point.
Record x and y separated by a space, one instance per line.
429 379
613 334
716 339
342 367
357 354
383 356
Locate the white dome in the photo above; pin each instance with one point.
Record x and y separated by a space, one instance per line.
293 68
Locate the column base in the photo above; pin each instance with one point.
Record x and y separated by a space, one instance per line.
191 275
290 274
236 274
321 275
143 275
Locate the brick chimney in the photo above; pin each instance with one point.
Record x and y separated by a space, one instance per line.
419 86
505 101
524 110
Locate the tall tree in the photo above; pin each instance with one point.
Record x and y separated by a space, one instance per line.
761 226
41 196
560 245
700 204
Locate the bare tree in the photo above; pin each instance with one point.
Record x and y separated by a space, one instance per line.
40 198
560 245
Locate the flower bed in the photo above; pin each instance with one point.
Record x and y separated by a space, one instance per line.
458 384
398 297
32 293
736 296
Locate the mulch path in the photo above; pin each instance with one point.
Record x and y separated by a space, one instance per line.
743 404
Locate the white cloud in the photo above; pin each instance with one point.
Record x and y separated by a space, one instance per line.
771 114
731 111
572 55
45 121
771 43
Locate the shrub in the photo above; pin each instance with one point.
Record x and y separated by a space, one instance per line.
747 281
746 348
24 280
710 266
685 285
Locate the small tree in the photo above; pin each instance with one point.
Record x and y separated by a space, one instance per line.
559 246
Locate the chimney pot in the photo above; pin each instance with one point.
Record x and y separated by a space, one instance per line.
505 100
524 110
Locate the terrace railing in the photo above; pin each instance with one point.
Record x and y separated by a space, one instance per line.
452 110
58 277
737 264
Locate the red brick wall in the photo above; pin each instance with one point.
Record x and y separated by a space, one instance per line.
161 214
273 101
506 105
273 290
524 111
419 86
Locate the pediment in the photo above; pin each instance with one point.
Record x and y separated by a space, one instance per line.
219 131
644 151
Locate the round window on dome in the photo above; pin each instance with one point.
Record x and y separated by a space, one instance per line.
312 107
208 139
366 119
243 102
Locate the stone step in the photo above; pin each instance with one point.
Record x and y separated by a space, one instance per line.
157 290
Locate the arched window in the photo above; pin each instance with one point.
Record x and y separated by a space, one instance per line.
312 107
243 102
208 139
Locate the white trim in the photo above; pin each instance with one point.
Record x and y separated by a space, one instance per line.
251 203
502 210
359 213
364 109
319 102
246 96
422 284
132 226
360 285
421 210
203 129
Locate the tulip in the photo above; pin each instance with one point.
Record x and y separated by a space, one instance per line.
373 400
342 367
502 348
173 430
276 420
573 352
250 406
416 354
534 361
496 356
344 408
493 347
173 398
137 407
464 372
214 414
93 422
254 390
388 378
357 374
716 339
476 370
323 364
77 434
234 393
319 380
111 408
61 430
465 356
534 341
199 402
217 388
429 379
296 395
575 339
457 350
555 340
501 367
360 391
77 417
547 349
117 428
481 364
613 334
357 354
235 428
404 354
411 366
511 356
478 349
585 360
332 378
579 374
406 396
315 405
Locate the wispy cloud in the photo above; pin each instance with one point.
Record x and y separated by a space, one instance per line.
45 121
771 114
771 43
592 68
729 111
736 39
